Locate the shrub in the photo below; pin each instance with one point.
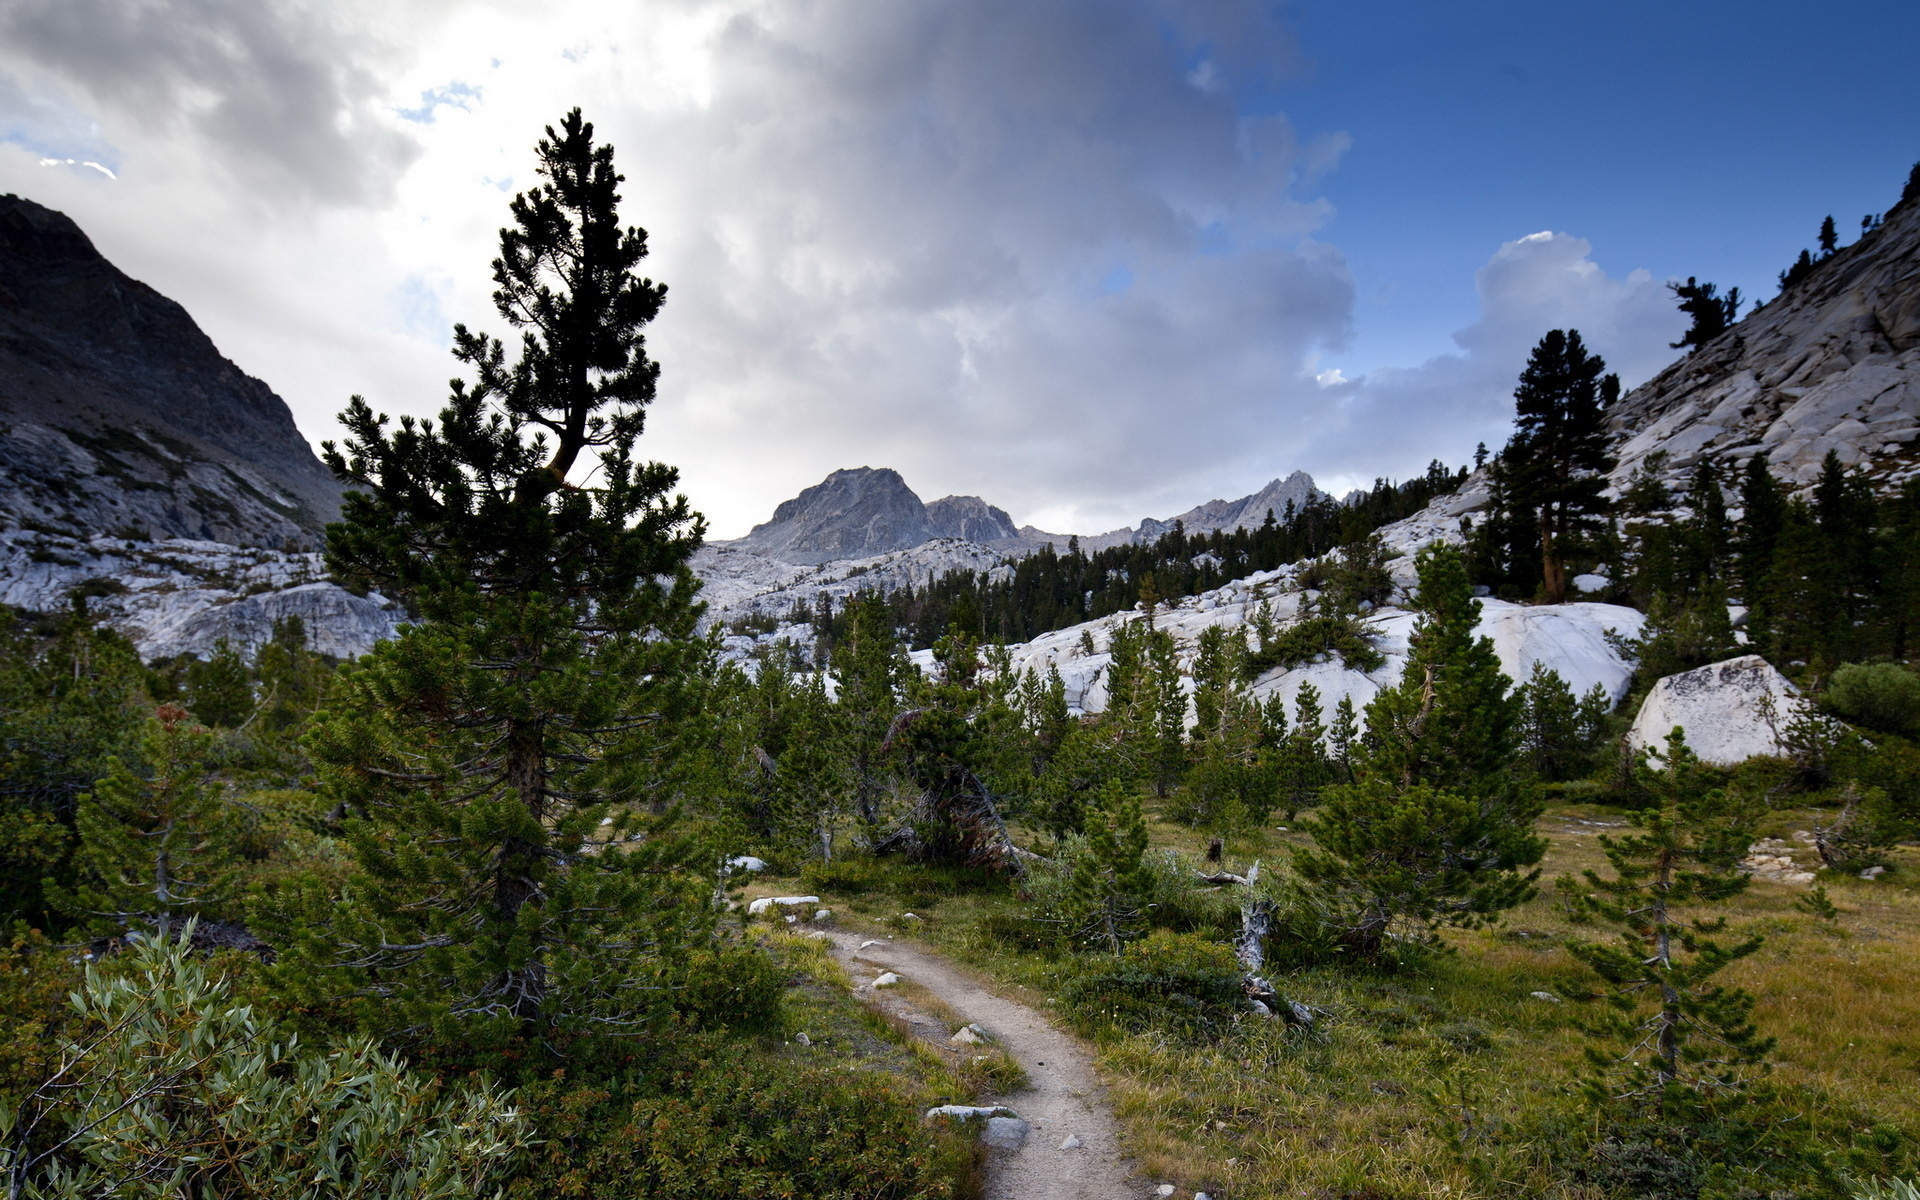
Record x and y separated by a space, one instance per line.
1880 696
1308 639
738 988
722 1120
1174 983
177 1088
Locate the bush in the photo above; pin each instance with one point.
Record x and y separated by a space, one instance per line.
738 988
722 1120
1173 983
177 1088
1880 696
1307 640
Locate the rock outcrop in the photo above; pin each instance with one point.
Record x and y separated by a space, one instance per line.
179 597
1731 711
1833 364
118 416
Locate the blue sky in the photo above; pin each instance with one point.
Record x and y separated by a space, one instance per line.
1094 260
1693 138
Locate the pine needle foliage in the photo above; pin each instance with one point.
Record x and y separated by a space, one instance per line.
1675 1035
155 838
1435 830
505 760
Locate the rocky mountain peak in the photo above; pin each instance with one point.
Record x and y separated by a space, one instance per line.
970 519
852 513
118 415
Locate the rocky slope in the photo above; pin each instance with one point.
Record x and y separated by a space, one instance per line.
1831 365
118 415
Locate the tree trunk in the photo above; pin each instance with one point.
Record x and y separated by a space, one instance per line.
1553 569
524 988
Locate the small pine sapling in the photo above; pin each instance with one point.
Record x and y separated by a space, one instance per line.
156 842
1109 888
1674 1035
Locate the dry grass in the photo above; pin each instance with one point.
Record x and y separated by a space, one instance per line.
1452 1079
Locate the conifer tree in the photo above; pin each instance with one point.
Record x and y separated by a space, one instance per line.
220 688
1829 237
67 708
154 842
1711 313
1109 887
544 685
1761 525
870 672
1435 830
1556 464
1676 1033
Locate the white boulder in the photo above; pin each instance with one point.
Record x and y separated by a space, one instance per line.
1731 711
766 902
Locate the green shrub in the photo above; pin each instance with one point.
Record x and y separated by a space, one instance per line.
1173 983
723 1120
1306 640
738 988
174 1087
1880 696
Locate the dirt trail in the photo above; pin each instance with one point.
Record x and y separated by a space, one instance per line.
1065 1098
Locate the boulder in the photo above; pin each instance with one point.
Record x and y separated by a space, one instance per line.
765 902
1731 711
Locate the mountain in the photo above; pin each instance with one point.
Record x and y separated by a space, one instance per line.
1831 364
118 415
864 511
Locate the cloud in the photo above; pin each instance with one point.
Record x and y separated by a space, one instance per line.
1066 255
1391 422
281 92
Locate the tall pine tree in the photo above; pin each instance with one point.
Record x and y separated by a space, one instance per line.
1556 464
501 757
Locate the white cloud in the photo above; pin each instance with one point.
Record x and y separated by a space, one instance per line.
1393 421
1034 252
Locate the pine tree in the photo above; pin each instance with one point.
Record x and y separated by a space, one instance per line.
1109 887
1435 830
67 708
220 688
1761 526
545 684
156 842
1712 314
1681 1033
1829 237
1556 464
870 672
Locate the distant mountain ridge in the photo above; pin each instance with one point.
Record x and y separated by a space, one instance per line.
864 511
119 416
861 512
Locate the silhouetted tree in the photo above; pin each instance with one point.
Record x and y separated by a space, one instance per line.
1712 314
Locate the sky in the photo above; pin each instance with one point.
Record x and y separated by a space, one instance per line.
1093 260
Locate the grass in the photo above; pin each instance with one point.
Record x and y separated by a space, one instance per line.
1452 1078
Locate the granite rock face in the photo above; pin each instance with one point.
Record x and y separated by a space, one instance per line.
1831 365
1731 711
849 514
178 596
118 416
